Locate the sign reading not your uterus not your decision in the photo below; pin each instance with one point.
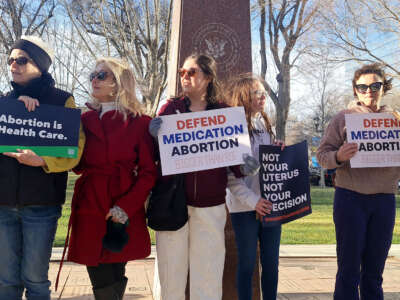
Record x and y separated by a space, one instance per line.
203 140
284 181
378 139
48 130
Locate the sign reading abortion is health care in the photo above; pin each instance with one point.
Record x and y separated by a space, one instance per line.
284 180
48 130
203 140
378 139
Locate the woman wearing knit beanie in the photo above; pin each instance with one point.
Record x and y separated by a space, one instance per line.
33 187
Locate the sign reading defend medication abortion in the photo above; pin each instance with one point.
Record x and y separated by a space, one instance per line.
48 130
203 140
284 181
378 139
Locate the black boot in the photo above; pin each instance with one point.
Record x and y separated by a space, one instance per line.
120 287
106 293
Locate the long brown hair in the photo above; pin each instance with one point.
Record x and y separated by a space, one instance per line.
208 66
238 93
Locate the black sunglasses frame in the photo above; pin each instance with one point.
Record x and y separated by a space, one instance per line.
102 75
20 60
374 87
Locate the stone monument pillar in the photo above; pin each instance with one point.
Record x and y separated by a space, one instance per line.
221 29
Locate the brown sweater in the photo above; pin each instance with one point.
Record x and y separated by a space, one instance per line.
361 180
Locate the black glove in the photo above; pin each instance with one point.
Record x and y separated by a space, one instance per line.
116 236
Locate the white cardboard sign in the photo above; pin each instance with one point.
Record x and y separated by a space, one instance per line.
203 140
378 139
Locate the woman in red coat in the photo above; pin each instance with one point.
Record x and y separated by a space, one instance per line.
118 172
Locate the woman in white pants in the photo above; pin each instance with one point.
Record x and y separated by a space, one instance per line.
199 246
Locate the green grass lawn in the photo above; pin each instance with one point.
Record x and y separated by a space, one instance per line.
316 228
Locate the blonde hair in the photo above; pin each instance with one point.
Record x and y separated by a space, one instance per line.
126 101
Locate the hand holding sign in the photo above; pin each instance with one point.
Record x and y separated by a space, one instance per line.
346 152
280 143
27 157
30 103
154 126
263 207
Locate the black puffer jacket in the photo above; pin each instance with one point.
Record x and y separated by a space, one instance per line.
22 185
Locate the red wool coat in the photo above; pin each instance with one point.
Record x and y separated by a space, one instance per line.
117 168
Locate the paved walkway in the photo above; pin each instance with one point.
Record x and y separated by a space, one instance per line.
306 272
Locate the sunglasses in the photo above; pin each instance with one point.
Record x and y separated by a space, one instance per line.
374 87
260 93
191 72
102 75
21 60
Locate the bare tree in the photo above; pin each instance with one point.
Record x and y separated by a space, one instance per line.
364 31
326 97
4 76
19 17
137 30
71 56
282 24
326 91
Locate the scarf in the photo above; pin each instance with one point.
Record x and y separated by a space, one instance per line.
36 88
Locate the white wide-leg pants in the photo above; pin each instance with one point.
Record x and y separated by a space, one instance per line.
199 246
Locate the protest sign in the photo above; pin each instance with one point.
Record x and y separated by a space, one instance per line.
284 180
378 139
48 130
203 140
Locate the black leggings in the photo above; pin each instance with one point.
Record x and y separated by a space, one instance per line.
106 274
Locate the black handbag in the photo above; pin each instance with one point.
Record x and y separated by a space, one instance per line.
167 210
